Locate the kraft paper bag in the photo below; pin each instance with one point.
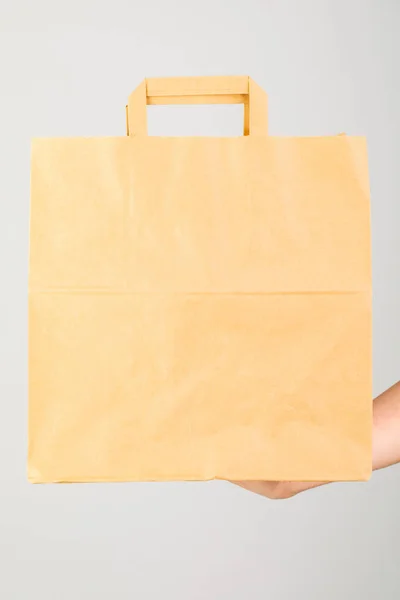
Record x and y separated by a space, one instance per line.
199 308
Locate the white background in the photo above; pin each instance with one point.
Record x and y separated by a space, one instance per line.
67 69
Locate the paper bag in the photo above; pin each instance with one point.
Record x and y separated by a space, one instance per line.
199 308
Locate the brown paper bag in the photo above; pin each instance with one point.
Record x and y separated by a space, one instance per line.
199 307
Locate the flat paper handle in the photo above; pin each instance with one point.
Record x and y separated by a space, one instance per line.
199 90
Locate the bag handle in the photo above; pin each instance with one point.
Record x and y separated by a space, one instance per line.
198 90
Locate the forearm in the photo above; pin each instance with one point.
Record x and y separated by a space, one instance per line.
386 432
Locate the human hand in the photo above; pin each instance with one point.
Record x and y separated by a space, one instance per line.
277 490
385 451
